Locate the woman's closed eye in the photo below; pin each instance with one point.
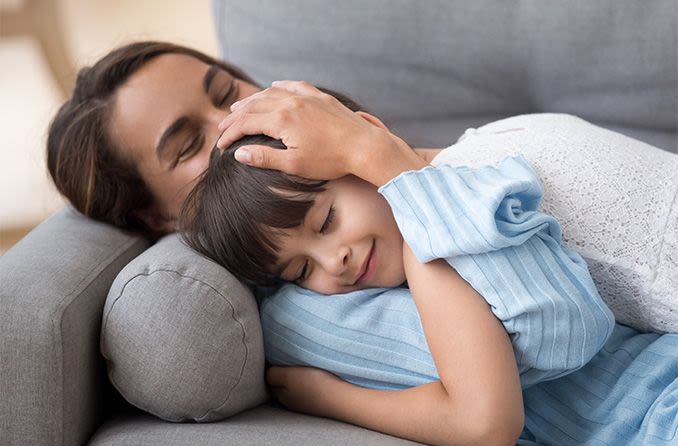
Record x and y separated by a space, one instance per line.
323 229
230 95
193 146
198 141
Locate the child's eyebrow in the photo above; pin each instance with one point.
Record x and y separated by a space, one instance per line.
318 203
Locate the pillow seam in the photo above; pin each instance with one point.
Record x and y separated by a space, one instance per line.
242 326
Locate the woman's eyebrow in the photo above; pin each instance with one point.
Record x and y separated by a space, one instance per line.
169 132
209 76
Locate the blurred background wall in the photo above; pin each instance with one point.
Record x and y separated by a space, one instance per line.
42 44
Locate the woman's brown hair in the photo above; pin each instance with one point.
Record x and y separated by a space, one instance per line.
85 165
235 212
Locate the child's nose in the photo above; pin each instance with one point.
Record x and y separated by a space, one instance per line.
338 262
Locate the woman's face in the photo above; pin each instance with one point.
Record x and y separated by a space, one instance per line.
165 119
334 242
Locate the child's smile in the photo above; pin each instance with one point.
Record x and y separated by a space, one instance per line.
349 240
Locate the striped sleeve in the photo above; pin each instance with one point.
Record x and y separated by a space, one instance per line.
448 211
485 223
372 337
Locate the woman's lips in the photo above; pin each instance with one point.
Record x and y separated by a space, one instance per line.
370 267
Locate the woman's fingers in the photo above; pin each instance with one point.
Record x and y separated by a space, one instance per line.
259 105
280 90
325 139
261 156
298 87
251 104
269 93
243 123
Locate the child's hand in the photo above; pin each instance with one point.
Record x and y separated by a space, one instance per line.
302 389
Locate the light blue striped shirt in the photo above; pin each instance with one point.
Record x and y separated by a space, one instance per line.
485 223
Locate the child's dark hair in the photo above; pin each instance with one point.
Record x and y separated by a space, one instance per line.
232 214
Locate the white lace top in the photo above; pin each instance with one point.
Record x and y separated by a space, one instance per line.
615 197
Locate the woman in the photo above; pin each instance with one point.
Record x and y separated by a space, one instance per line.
141 124
127 144
137 131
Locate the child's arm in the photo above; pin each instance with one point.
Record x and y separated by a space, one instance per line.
486 224
477 401
427 154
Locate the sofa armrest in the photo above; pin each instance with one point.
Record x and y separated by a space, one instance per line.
54 284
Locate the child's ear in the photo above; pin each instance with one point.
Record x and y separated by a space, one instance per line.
372 119
157 221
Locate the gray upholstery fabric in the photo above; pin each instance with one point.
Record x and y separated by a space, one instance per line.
182 336
431 69
261 426
54 283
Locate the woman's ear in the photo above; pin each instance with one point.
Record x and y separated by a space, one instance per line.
157 221
372 119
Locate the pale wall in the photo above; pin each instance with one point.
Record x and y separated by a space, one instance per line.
29 96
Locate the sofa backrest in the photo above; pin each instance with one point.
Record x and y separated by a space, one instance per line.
432 68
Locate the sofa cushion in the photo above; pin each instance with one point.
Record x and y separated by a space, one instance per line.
267 424
182 338
430 72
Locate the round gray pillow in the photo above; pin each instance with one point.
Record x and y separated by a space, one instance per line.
182 338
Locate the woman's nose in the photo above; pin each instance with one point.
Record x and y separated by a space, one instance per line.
216 115
214 118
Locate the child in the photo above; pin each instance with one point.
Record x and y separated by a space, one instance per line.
262 225
483 222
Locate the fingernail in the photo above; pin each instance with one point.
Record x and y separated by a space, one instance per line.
243 155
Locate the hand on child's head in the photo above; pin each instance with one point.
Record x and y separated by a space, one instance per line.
235 212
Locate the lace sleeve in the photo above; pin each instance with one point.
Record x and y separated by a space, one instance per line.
615 198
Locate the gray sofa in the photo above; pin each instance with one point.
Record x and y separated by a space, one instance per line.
430 70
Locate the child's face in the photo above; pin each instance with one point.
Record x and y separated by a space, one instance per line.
334 258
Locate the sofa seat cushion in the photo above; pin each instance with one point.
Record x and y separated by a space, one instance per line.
267 424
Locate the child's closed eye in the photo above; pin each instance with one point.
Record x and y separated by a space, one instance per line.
323 229
328 220
299 280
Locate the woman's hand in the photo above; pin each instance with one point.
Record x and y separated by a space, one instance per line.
302 389
324 139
